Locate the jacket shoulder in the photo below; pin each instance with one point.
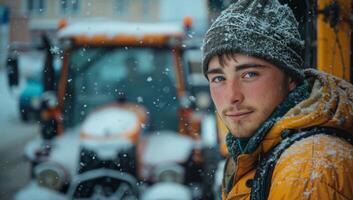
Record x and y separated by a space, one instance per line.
317 167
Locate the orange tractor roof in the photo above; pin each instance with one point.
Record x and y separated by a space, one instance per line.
121 33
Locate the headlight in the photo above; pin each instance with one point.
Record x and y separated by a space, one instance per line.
170 173
35 103
51 175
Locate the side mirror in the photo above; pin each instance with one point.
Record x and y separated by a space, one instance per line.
12 72
48 69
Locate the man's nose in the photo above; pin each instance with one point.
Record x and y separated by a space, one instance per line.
235 94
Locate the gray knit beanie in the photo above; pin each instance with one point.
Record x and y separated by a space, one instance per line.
261 28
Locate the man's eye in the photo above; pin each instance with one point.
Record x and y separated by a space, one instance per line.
217 79
250 75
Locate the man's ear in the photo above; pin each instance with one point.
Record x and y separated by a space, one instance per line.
292 83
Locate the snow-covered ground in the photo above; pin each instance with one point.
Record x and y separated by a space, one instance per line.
14 134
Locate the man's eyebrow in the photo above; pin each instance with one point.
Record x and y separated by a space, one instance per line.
214 71
248 65
240 67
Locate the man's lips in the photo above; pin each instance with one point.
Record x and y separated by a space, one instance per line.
237 115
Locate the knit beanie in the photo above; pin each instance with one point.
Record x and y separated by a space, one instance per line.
260 28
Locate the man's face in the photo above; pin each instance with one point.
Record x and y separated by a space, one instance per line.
246 90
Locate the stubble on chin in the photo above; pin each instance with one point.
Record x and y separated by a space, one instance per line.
246 127
239 130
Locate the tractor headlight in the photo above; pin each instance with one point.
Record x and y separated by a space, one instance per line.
170 173
51 175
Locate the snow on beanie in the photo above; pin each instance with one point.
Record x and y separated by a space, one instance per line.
261 28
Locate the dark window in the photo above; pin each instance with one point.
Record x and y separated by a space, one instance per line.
30 5
69 6
122 7
146 9
41 4
35 6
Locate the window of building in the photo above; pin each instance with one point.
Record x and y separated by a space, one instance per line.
35 6
122 7
146 8
69 6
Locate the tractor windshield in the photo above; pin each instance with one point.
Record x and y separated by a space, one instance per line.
101 75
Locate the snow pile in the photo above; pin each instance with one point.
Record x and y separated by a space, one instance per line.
164 148
35 192
167 146
108 128
170 191
110 122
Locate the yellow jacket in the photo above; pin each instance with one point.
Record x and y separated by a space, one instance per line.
317 167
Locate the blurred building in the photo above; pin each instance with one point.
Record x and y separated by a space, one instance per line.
30 18
4 34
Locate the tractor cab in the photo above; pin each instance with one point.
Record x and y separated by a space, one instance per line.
123 105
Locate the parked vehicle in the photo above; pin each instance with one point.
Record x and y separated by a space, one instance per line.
122 123
29 100
29 60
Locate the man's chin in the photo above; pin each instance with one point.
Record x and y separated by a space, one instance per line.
242 132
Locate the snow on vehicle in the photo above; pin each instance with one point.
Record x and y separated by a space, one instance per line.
122 124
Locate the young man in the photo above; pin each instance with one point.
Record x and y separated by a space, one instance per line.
289 128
